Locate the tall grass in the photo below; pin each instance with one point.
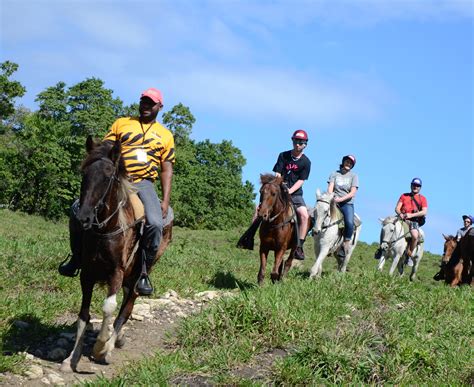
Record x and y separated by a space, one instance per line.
361 327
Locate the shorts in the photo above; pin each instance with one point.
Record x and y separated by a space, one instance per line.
298 201
412 225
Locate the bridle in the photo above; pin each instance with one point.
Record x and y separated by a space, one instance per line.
101 203
393 238
286 221
324 226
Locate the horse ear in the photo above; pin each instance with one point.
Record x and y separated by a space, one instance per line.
446 237
114 154
90 144
381 220
318 193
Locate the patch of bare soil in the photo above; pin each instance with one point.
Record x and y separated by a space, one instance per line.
152 323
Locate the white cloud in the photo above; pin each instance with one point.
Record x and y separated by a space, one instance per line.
278 93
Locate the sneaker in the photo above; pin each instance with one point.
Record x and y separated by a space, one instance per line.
299 253
409 261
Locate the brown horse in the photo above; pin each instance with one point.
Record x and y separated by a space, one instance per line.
467 254
278 227
110 236
451 262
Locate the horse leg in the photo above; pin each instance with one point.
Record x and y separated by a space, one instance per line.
126 309
263 265
276 273
288 263
70 364
317 268
381 261
105 342
457 274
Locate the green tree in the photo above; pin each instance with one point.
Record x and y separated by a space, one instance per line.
9 90
207 187
180 121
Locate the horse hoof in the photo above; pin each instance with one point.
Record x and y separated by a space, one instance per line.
120 342
66 367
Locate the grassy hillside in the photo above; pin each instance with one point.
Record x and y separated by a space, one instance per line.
362 327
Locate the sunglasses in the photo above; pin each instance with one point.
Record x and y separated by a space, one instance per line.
300 142
416 185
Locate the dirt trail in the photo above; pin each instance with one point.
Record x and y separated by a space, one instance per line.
153 320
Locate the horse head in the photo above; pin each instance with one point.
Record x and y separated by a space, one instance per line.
100 170
273 196
325 209
450 245
388 232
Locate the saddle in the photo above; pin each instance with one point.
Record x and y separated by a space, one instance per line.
406 232
139 209
340 220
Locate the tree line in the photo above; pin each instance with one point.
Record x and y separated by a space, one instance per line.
41 152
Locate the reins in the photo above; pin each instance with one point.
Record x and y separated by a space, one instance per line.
324 226
285 221
390 242
120 205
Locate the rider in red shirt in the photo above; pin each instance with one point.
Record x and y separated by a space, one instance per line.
412 207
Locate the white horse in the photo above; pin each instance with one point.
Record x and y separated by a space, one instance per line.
393 243
327 235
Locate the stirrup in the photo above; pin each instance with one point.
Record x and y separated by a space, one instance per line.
65 270
143 285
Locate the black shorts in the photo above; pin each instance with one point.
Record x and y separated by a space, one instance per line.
298 201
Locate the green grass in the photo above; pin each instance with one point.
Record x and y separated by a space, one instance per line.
362 327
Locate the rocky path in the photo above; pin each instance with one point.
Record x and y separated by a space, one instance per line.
151 323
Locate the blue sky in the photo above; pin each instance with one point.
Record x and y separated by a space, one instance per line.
391 82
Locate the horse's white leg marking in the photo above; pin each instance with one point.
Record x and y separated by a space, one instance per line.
120 342
70 364
100 348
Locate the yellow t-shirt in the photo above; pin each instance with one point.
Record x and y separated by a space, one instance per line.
144 146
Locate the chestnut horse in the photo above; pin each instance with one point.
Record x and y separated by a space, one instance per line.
457 263
451 263
110 236
278 227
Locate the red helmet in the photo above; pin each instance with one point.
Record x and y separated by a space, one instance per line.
300 134
349 157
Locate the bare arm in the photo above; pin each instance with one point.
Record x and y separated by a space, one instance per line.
166 178
296 186
351 194
423 212
331 187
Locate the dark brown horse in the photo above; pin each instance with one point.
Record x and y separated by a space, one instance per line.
457 262
110 238
277 230
467 255
451 262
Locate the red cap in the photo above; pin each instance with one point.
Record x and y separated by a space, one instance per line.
154 94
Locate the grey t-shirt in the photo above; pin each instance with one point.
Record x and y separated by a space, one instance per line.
343 183
462 231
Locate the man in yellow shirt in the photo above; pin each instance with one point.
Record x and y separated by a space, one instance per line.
148 151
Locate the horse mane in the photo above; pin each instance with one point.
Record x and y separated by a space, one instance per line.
284 195
325 196
389 219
